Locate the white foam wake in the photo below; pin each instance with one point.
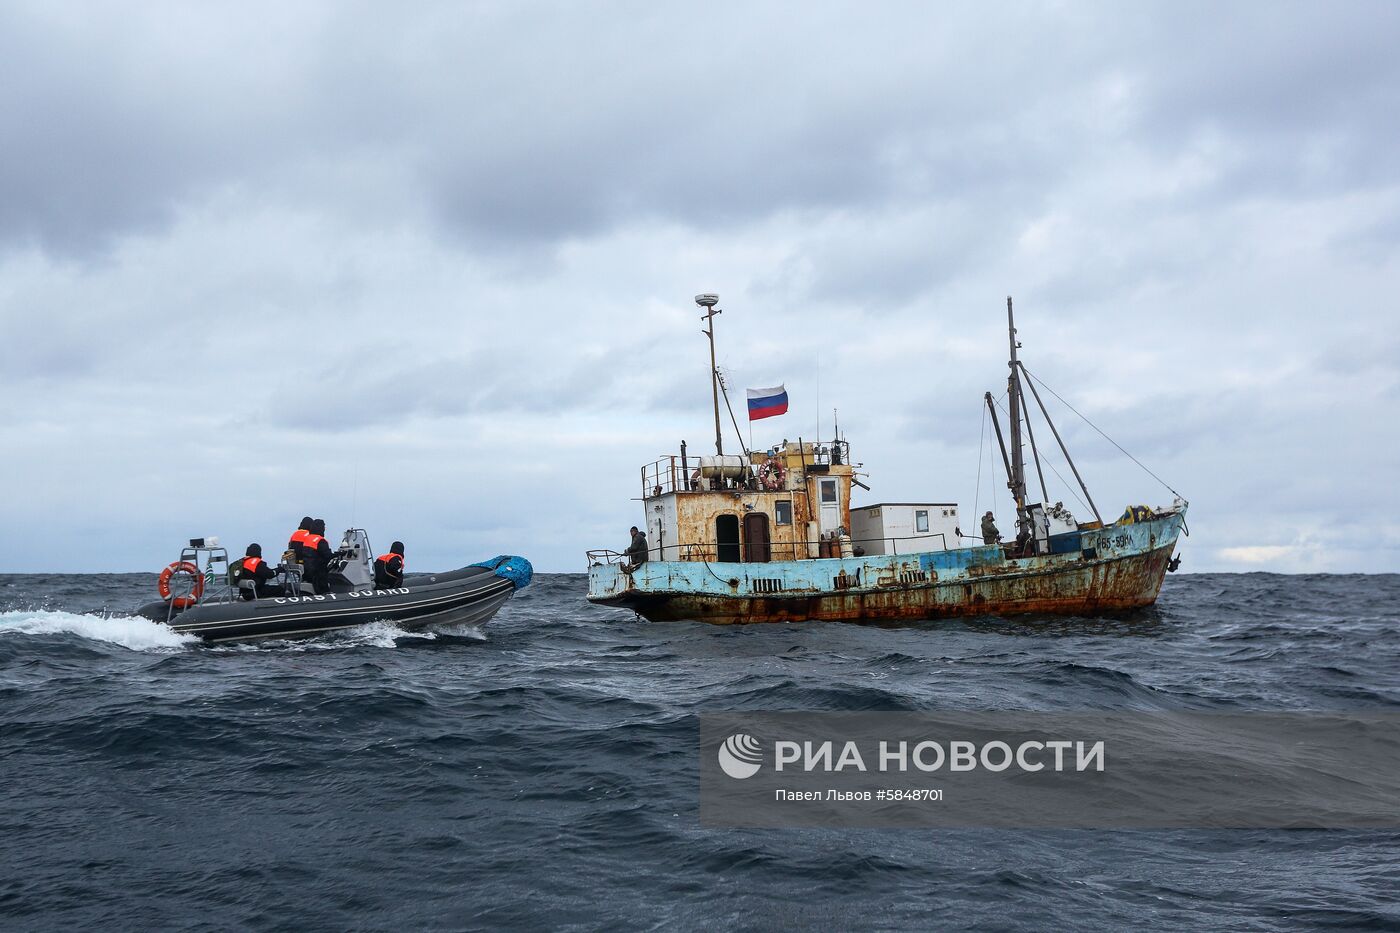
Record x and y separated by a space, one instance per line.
141 634
132 632
377 634
385 634
460 630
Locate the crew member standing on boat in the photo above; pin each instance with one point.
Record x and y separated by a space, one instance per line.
990 535
636 552
316 557
388 568
253 568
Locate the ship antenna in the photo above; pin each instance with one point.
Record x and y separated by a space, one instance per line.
708 302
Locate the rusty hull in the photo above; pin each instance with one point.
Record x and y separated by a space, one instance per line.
1118 568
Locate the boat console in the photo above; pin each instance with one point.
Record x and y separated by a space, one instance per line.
352 567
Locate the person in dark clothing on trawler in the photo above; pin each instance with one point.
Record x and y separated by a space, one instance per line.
990 535
252 568
388 568
636 552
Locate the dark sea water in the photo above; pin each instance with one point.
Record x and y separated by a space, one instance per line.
541 773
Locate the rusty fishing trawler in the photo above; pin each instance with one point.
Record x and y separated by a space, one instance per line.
772 536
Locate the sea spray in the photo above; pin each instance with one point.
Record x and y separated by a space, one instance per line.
132 632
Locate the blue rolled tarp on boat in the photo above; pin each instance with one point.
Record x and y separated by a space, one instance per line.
515 569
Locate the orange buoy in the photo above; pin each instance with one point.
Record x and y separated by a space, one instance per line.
196 590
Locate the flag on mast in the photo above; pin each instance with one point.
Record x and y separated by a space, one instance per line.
765 403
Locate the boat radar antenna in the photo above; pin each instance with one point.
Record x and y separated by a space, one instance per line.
708 302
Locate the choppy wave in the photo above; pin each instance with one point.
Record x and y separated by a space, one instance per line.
540 772
134 632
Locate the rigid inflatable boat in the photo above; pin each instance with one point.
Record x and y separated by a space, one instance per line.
200 597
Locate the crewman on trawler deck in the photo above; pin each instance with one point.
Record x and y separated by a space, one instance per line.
636 552
990 535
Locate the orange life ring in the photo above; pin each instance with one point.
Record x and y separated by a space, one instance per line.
196 590
772 475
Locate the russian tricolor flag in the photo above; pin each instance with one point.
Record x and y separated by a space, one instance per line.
765 403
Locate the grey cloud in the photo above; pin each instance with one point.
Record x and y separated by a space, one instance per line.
235 240
1289 90
1377 241
893 259
506 128
342 398
1286 68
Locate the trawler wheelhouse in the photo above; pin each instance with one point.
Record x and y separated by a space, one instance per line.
783 503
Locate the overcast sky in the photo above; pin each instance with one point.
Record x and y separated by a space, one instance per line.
429 269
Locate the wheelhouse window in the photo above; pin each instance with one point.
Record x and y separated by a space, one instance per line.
921 520
828 490
782 511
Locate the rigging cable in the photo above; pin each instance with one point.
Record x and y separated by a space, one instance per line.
1057 473
991 461
981 442
1105 436
992 474
724 390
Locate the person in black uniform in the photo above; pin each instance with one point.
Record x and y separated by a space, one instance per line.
254 568
388 568
316 557
298 542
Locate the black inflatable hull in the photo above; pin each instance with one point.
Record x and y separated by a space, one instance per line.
470 596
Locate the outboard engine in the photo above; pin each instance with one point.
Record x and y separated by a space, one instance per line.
353 562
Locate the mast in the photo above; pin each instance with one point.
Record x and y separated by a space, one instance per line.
1017 479
708 302
1063 449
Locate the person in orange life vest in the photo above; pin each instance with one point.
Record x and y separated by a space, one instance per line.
388 568
316 557
298 540
253 567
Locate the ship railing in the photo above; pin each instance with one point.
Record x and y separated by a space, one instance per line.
205 583
216 587
893 542
672 473
708 551
960 541
662 476
602 556
675 473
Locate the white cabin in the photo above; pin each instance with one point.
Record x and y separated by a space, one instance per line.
904 527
